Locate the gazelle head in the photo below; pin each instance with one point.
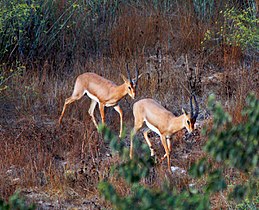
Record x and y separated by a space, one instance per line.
131 83
190 119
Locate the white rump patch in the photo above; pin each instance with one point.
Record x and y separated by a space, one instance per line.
151 127
91 96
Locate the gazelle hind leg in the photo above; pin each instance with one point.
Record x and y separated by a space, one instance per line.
145 133
91 112
119 110
68 101
137 126
78 93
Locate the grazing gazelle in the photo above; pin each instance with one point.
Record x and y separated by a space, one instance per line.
102 91
162 122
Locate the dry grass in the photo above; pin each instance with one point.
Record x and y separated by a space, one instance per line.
68 162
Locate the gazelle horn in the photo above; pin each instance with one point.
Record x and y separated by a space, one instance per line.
137 74
194 115
128 72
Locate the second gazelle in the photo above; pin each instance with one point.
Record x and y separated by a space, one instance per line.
162 122
102 91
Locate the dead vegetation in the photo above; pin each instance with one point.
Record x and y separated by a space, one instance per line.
67 162
60 167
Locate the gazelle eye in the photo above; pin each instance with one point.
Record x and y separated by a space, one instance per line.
129 88
188 122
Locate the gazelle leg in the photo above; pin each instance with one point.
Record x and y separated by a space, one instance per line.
101 108
169 145
68 101
91 111
145 133
119 110
163 139
137 126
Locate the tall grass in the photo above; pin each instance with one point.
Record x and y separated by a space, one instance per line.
46 44
65 31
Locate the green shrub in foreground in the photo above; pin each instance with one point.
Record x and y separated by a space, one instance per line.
15 203
237 145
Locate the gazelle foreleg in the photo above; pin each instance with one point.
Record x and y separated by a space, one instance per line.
145 133
91 112
119 110
169 145
101 108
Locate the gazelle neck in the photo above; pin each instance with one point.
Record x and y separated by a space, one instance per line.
120 91
177 124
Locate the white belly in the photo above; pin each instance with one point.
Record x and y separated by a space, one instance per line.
108 105
93 97
151 127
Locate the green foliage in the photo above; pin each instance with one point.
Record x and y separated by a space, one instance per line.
33 28
19 24
239 28
236 145
214 178
15 203
246 204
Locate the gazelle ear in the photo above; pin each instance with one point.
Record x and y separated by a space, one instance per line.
140 76
136 79
124 78
184 111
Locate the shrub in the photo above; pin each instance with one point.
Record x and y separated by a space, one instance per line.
15 203
238 29
236 145
19 28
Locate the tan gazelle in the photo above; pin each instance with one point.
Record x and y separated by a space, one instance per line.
162 122
104 92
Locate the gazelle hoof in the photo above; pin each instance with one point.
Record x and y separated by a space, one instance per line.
162 158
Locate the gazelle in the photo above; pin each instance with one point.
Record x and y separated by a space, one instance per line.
162 122
104 92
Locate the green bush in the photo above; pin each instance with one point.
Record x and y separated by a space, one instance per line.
246 204
15 203
238 28
20 22
236 145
